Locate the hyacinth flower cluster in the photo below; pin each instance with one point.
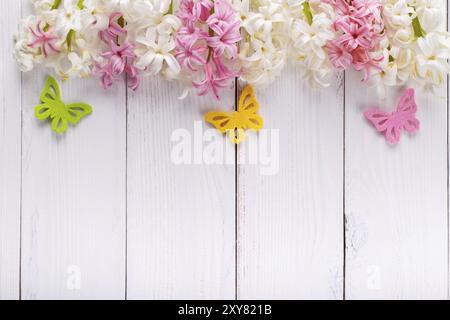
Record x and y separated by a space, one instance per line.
264 49
104 38
418 47
360 30
207 44
119 57
311 29
277 33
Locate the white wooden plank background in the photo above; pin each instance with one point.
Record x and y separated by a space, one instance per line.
396 201
448 164
291 223
104 213
73 197
10 150
181 218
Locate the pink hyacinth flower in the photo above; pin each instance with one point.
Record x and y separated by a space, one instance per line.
339 56
134 81
191 34
362 61
223 15
118 56
186 13
225 40
211 83
114 30
354 35
360 29
190 54
45 40
224 72
365 8
202 9
119 60
208 39
342 6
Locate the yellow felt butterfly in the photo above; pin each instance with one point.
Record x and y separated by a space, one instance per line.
235 123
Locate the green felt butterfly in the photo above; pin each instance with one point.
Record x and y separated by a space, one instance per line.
54 108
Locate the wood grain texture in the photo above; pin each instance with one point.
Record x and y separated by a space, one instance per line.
74 197
396 201
136 225
291 223
180 217
74 194
448 166
10 151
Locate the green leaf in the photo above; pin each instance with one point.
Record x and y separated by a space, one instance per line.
70 39
418 30
80 4
56 4
308 13
54 109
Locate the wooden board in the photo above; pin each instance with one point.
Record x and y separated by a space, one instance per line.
73 196
10 155
290 223
396 202
106 212
181 217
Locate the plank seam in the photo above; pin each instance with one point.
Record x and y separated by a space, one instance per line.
21 175
126 187
21 190
236 200
448 182
344 222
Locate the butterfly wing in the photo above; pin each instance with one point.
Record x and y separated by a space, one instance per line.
407 102
222 121
42 111
50 99
227 123
384 124
392 134
403 118
50 106
46 111
61 114
51 92
59 124
379 119
247 110
406 110
412 125
77 111
237 122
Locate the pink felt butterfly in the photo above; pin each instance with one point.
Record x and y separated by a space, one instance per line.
391 124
